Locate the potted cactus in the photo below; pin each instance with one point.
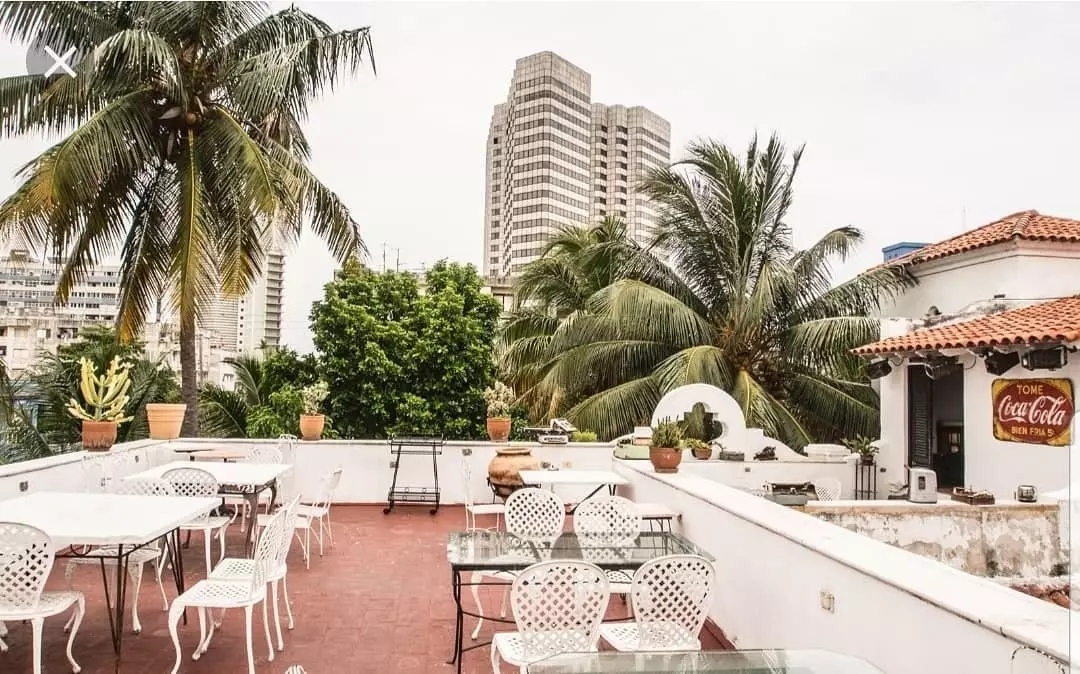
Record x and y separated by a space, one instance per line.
699 448
499 399
311 421
105 397
665 449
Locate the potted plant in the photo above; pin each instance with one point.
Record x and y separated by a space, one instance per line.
499 398
583 436
311 421
863 446
165 419
727 455
665 450
105 397
699 448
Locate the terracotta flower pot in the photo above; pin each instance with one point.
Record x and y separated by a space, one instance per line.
665 459
98 436
165 420
504 471
498 428
311 426
702 453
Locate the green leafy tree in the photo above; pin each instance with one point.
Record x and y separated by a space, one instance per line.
181 150
722 296
403 359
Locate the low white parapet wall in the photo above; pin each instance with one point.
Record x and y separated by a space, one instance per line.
789 580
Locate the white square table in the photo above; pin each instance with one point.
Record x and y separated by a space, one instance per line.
243 479
121 522
600 478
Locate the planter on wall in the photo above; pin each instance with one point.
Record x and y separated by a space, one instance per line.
98 436
498 428
165 420
504 470
311 426
665 459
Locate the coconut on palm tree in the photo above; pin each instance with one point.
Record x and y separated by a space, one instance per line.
181 148
721 296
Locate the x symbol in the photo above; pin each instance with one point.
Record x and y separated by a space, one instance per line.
60 62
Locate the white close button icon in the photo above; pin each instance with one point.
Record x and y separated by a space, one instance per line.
59 62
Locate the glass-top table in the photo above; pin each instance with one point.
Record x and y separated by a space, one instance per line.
502 551
728 662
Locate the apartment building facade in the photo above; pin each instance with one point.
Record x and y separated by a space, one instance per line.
555 158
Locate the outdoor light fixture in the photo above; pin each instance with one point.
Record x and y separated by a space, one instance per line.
939 368
998 363
878 369
1045 359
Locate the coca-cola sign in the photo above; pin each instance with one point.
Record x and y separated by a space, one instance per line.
1035 411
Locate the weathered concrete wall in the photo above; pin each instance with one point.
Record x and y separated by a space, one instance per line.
1006 539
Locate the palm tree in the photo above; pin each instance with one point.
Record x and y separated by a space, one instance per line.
182 150
739 307
225 412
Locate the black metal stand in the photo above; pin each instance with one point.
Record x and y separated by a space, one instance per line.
865 481
414 495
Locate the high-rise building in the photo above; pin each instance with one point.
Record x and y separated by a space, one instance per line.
244 324
556 158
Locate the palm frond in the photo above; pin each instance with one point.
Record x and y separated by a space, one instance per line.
616 410
223 414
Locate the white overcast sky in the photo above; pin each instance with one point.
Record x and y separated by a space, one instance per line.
920 119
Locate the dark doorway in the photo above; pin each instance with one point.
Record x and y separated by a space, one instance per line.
936 424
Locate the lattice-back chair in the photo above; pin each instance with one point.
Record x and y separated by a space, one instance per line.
152 553
611 521
671 596
473 509
1027 660
223 594
198 482
558 608
264 454
26 558
531 513
827 488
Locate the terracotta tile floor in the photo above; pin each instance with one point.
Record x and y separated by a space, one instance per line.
379 601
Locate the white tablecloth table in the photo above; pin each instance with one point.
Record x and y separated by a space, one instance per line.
570 476
122 523
244 479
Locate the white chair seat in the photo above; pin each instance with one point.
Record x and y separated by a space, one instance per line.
627 637
312 511
235 568
212 523
221 594
107 553
655 511
512 649
487 508
50 604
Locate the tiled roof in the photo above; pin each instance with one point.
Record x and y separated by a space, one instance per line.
1056 321
1025 225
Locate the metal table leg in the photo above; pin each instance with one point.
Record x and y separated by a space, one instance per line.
459 624
115 610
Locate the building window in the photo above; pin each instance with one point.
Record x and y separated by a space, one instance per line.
621 128
603 153
495 140
603 127
600 200
620 164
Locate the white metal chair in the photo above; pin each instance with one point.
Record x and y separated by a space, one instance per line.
210 594
151 553
671 596
26 558
232 568
530 513
614 519
473 509
558 608
316 511
827 488
260 454
1027 660
198 482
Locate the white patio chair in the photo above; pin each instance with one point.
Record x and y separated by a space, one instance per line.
316 511
473 509
827 488
101 471
530 513
613 519
26 558
152 553
198 482
209 594
671 596
558 608
257 455
234 568
1027 660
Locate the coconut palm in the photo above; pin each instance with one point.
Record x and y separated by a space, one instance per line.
739 307
182 148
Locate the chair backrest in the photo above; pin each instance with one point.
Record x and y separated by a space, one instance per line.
827 488
268 550
1026 660
671 599
102 470
535 513
145 486
327 486
26 558
292 513
616 516
466 477
558 607
192 482
265 455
